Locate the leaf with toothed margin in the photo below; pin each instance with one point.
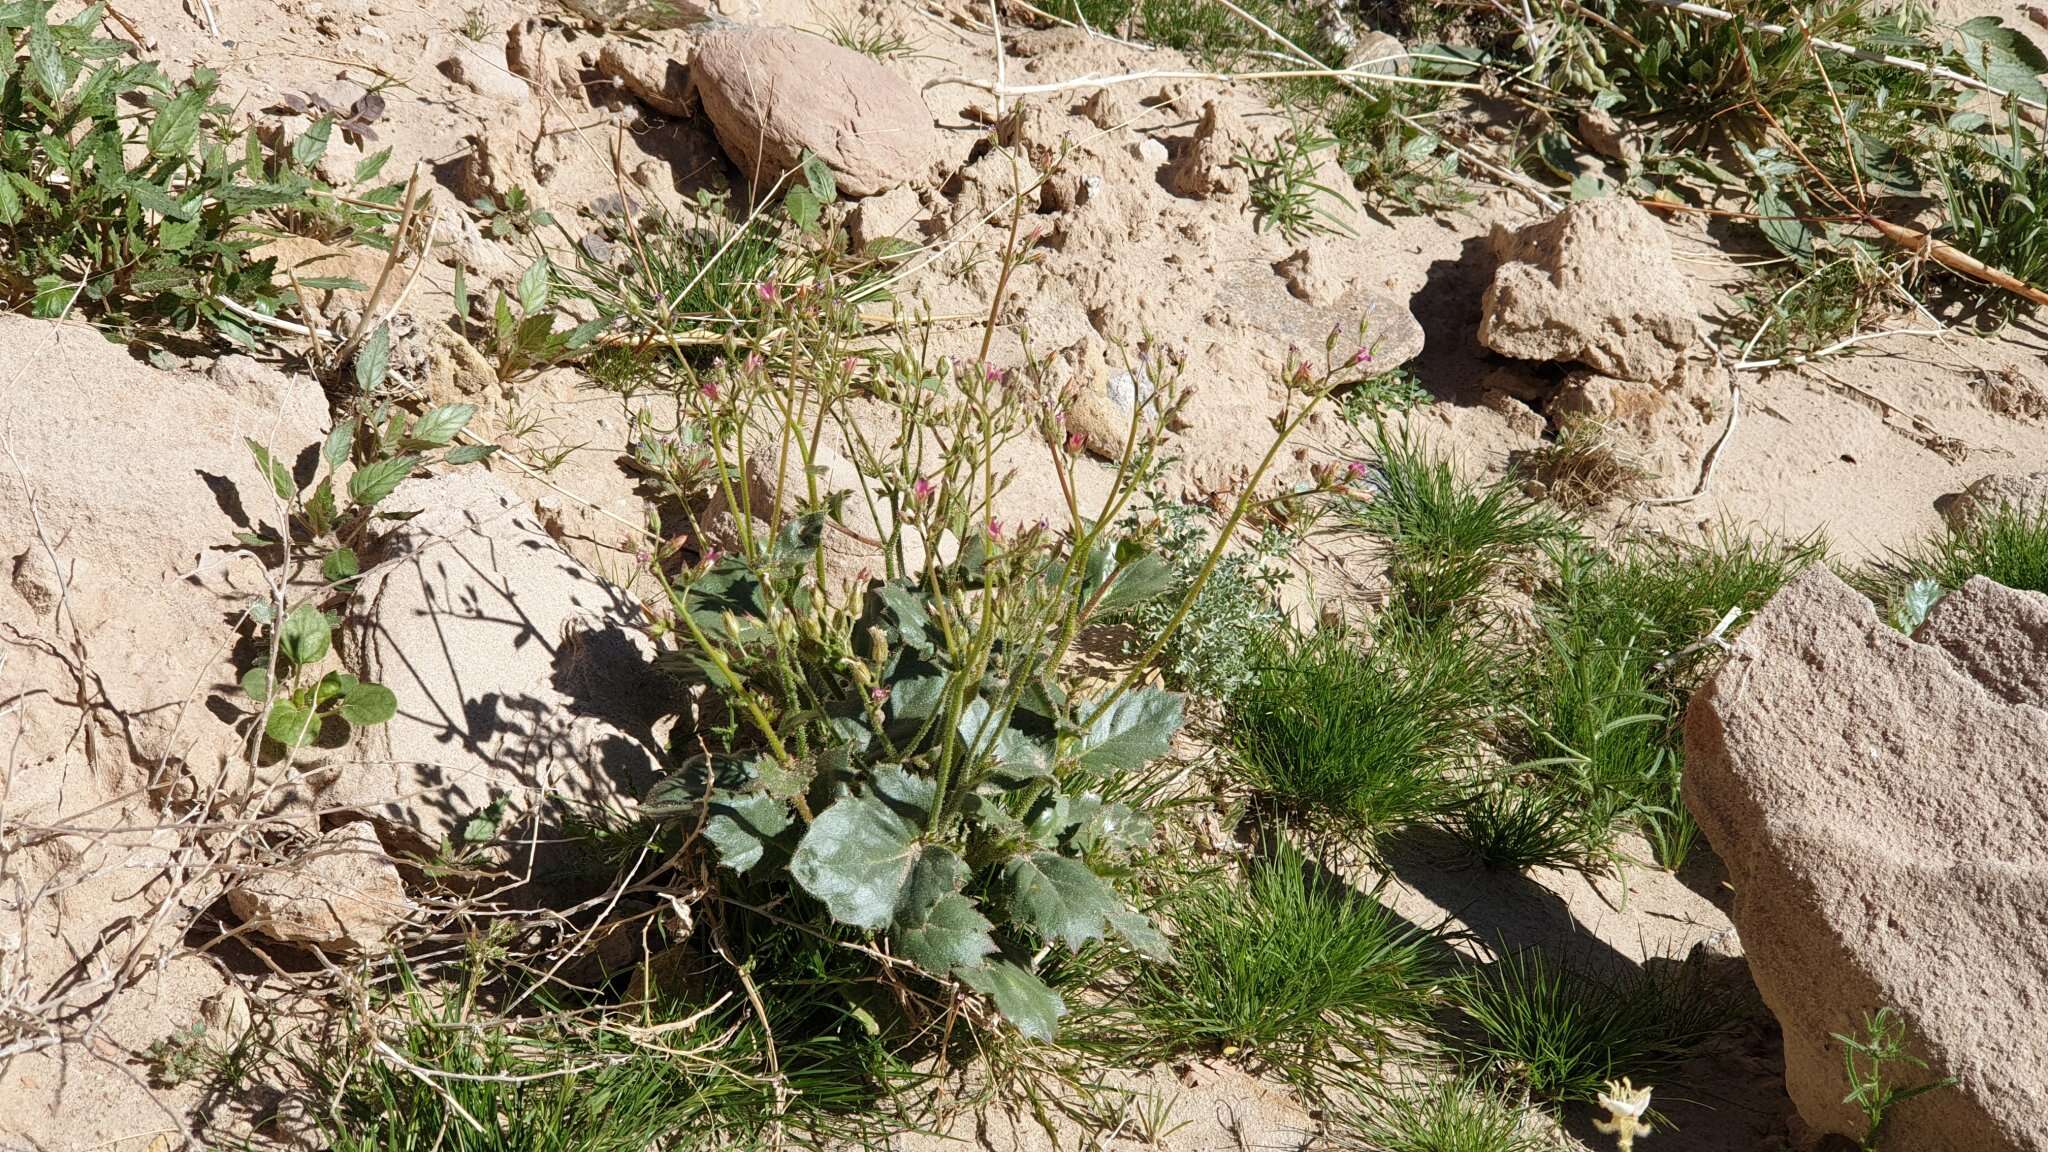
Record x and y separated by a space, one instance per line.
1023 999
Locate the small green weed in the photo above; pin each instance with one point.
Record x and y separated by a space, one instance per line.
1371 737
1516 822
1867 1061
1289 966
1996 193
870 37
1284 193
1562 1034
511 215
1214 651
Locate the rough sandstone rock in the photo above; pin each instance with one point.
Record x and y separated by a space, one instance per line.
1882 808
483 70
1208 166
655 76
1999 635
341 893
773 93
1596 284
2026 495
643 14
520 676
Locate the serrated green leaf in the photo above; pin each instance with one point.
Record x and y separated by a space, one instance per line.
373 360
743 827
335 448
1140 581
951 935
46 63
379 478
312 144
305 635
367 704
470 453
333 284
1134 730
274 471
442 424
532 289
1138 931
177 123
856 858
1058 897
368 167
1022 998
10 204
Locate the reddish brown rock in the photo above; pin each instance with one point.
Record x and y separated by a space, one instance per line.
1882 807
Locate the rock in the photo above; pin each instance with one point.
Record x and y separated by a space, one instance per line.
498 160
2026 495
483 70
1110 108
1595 284
1379 52
1521 419
1883 814
140 482
1207 166
985 190
1998 635
1656 426
1310 276
341 894
520 676
643 14
1146 150
653 75
773 93
1607 136
892 214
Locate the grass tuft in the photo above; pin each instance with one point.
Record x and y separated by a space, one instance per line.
1289 965
1447 539
2006 544
1371 737
1561 1034
1458 1114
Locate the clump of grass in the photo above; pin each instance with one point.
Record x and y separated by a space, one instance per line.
1561 1033
1447 539
1588 467
2005 544
1807 305
870 38
1996 193
1368 736
1289 965
1453 1114
1517 822
1625 641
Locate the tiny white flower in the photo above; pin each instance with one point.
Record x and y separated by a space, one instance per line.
1625 1099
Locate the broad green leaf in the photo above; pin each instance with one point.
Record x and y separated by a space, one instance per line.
1915 603
1022 998
470 453
320 510
1137 930
819 179
951 935
379 478
803 208
46 63
368 167
340 564
256 683
1134 730
367 704
1779 224
1139 582
743 827
305 635
291 725
10 204
856 858
1058 897
442 424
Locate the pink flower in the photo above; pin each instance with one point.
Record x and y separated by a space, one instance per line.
1355 469
709 388
922 490
995 529
1074 442
1362 356
768 291
754 362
